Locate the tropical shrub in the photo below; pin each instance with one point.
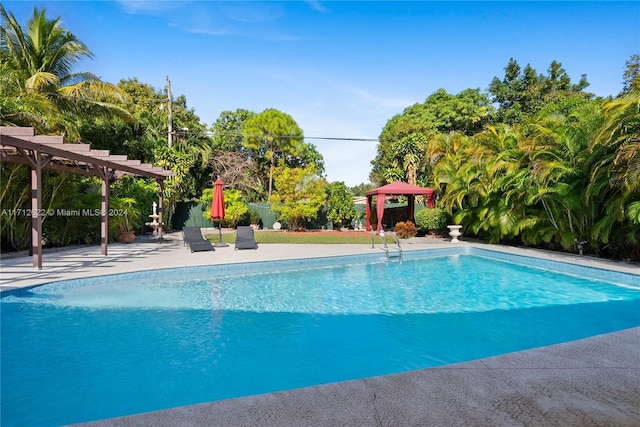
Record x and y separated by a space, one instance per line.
405 230
143 191
64 196
341 209
124 215
299 195
428 220
236 211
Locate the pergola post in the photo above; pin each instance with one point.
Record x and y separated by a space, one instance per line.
104 215
105 175
36 210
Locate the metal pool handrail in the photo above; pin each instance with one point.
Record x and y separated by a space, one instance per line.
386 248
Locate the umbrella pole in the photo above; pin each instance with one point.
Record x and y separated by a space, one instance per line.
219 244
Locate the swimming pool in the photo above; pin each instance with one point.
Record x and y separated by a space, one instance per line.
116 345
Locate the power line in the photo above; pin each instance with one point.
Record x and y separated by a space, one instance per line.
329 138
341 139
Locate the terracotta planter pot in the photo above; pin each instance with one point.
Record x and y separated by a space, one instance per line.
126 237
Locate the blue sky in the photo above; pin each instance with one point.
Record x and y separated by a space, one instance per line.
342 69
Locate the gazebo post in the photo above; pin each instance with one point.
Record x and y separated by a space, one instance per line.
411 206
380 198
368 213
430 198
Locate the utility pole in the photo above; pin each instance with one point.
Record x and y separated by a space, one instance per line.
170 131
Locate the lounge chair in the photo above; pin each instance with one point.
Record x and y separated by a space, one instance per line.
244 238
192 237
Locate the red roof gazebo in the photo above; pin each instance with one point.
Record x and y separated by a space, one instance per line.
395 188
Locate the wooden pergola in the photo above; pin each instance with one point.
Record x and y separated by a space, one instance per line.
21 145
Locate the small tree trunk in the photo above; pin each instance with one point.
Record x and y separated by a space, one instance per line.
270 176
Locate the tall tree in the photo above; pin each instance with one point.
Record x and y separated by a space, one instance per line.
227 130
466 112
411 149
236 164
273 135
631 76
523 92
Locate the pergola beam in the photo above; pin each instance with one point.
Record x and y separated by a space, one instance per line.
81 154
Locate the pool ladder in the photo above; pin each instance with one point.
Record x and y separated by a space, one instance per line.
390 251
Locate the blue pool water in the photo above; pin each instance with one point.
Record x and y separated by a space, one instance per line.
116 345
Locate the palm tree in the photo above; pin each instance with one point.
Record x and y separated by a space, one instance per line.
615 177
39 89
37 63
411 150
478 172
560 161
623 131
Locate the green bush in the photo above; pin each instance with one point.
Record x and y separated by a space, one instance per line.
298 196
144 192
235 210
254 217
431 219
341 210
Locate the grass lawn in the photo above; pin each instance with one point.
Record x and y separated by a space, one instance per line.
319 237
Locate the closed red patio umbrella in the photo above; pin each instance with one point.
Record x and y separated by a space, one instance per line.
217 208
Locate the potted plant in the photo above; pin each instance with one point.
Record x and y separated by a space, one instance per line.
405 230
123 215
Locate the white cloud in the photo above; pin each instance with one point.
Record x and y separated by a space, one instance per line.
148 7
315 5
377 100
252 13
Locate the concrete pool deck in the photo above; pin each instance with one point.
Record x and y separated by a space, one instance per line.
595 381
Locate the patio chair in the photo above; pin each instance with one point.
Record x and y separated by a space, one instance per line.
245 238
192 237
